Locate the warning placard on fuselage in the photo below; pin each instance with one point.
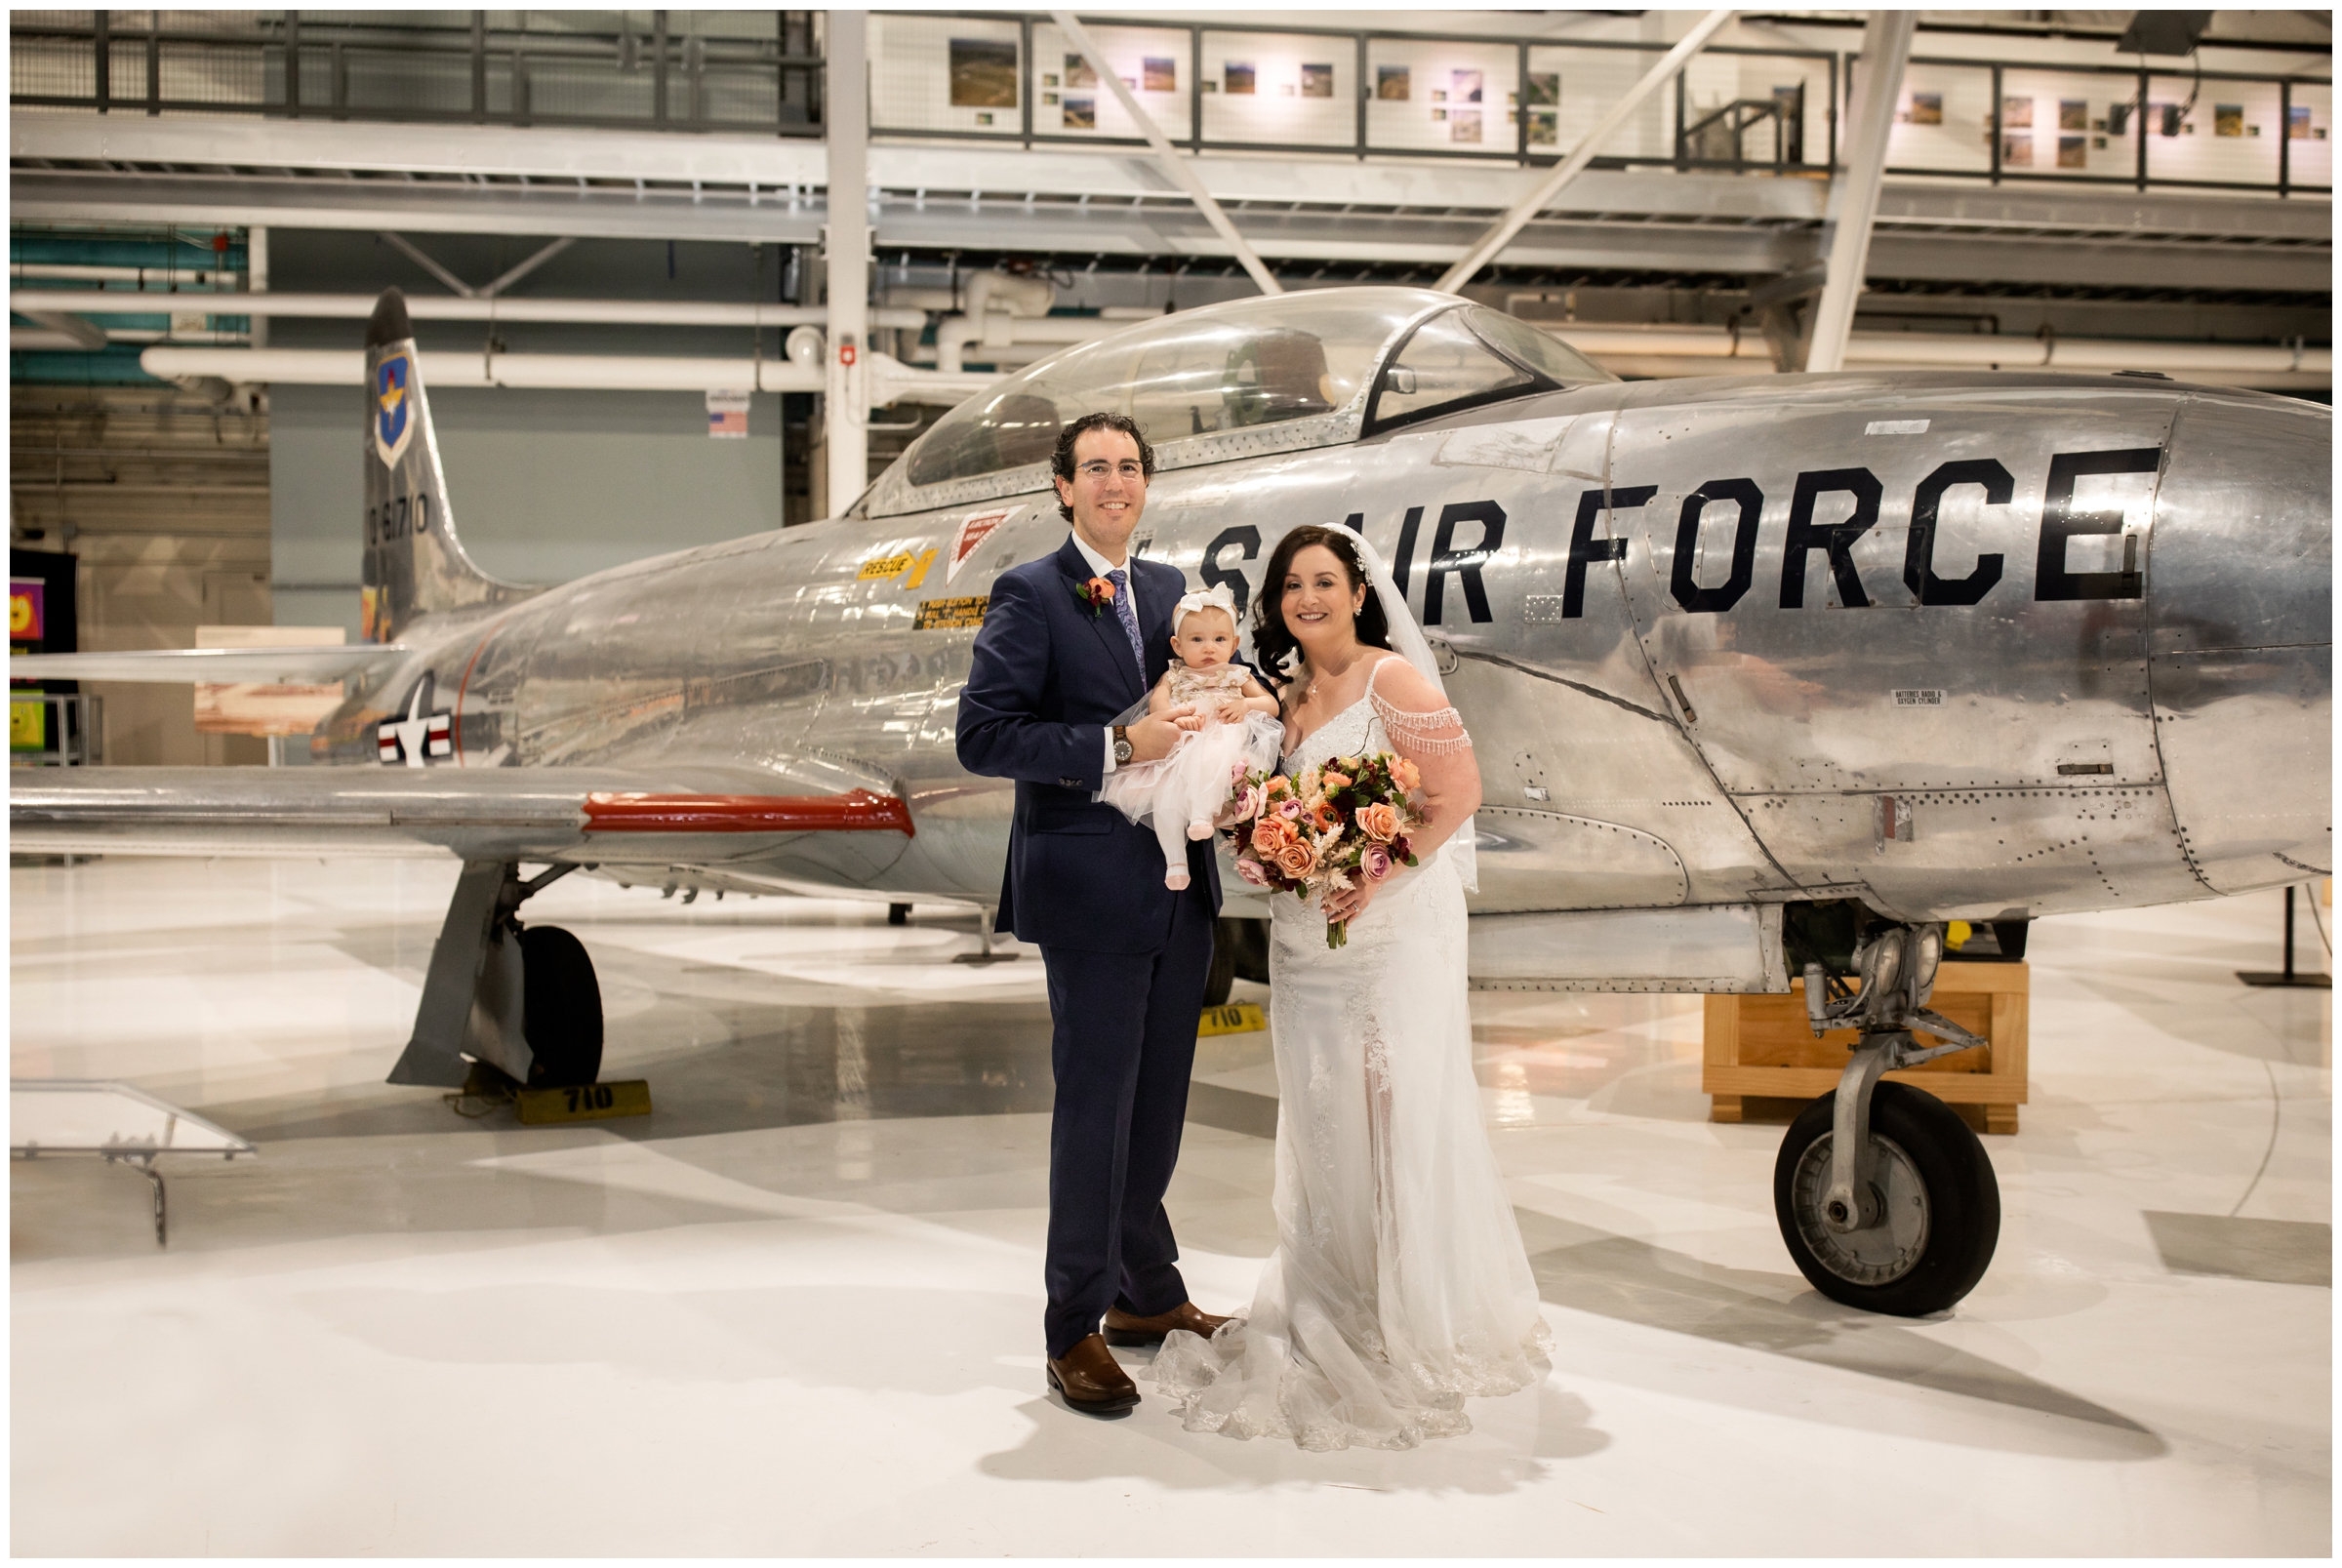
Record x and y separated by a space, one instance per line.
951 614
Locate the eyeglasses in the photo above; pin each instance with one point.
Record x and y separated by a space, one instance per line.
1099 469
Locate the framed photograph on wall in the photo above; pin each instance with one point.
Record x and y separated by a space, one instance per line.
2016 151
1464 125
2016 114
2297 122
1391 83
1161 75
2228 119
1926 108
2072 152
983 73
1545 89
1464 87
1078 72
1238 78
1080 111
1316 81
2073 115
1544 128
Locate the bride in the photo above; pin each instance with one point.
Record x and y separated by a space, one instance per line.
1400 1285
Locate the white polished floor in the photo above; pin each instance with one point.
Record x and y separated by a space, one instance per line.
797 1309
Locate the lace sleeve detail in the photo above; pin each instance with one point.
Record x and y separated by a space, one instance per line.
1437 733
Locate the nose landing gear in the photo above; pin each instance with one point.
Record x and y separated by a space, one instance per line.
1885 1199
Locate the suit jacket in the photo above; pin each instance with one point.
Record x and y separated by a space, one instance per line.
1048 676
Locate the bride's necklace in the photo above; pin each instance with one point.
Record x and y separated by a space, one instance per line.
1309 693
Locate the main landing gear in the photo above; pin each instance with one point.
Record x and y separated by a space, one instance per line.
1885 1198
503 1006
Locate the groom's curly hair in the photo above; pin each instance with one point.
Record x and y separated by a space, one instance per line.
1061 461
1271 639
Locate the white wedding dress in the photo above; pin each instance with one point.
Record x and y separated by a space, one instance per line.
1400 1285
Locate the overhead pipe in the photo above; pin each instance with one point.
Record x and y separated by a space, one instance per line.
82 273
437 308
803 371
1694 350
955 335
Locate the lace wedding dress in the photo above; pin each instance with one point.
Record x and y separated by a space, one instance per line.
1400 1285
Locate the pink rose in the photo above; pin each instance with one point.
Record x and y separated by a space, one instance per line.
1289 810
1248 802
1379 822
1296 861
1250 870
1375 861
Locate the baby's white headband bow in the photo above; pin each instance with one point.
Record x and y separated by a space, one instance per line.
1216 597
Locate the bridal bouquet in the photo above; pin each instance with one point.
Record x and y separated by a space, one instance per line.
1334 826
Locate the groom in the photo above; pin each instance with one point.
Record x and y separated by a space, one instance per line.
1070 642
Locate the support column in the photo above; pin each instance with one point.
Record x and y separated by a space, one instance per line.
846 126
256 278
1854 192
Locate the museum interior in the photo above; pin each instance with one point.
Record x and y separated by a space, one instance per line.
510 920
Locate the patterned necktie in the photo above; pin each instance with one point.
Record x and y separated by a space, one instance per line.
1128 613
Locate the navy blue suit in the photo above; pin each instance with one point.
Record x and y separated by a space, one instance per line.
1127 957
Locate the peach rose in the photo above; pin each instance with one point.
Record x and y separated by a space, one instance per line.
1270 835
1379 822
1278 784
1409 778
1336 780
1296 861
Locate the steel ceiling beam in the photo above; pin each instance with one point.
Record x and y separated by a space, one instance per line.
1854 194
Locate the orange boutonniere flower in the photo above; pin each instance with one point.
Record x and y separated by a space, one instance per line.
1097 593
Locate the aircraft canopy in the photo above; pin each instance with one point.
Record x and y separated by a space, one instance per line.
1238 379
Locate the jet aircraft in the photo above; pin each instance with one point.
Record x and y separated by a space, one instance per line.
1770 677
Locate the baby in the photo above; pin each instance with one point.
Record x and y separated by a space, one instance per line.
1235 726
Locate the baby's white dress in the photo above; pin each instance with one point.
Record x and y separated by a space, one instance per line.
1183 792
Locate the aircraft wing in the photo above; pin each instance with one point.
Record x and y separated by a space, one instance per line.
670 815
263 667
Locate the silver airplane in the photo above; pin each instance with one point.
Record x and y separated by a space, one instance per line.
1770 677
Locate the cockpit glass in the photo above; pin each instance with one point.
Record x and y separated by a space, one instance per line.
1445 364
1539 350
1470 356
1224 368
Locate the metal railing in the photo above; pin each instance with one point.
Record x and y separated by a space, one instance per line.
325 66
1001 78
1516 83
72 726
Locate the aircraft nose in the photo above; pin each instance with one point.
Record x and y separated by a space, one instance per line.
2239 637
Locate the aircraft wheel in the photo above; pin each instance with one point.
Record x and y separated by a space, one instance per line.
561 1009
1223 977
1941 1206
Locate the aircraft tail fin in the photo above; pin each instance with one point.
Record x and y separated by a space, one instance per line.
413 564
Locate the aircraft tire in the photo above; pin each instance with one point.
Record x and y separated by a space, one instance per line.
1223 977
1943 1206
561 1009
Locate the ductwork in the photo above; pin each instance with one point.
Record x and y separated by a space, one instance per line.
447 307
1660 351
994 330
891 380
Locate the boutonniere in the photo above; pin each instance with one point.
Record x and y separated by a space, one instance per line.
1097 593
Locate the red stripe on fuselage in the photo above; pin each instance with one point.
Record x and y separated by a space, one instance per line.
855 811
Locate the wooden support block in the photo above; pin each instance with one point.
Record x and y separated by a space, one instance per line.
1758 1056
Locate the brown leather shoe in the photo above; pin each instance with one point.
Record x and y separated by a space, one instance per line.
1123 1329
1091 1381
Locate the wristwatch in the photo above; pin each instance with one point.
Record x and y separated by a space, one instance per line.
1121 744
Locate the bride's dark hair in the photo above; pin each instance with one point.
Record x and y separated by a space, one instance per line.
1271 639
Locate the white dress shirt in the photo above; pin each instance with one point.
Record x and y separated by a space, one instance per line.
1101 566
